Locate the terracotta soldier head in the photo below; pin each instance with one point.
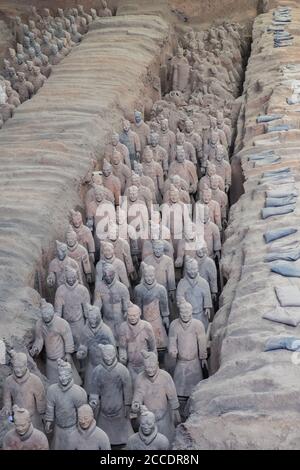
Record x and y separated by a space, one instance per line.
214 182
134 314
191 266
98 193
220 153
85 417
180 154
151 365
94 13
108 250
107 168
109 273
71 276
126 126
47 311
19 363
115 139
154 139
22 420
116 157
61 250
189 126
71 237
136 179
147 154
93 316
206 195
148 274
76 219
109 353
133 193
185 311
65 374
11 53
147 421
179 52
158 248
174 194
164 125
138 117
201 250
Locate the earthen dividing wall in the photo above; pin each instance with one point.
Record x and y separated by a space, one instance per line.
251 401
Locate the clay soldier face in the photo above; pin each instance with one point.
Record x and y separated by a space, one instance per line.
116 157
62 250
47 313
71 277
85 416
30 65
180 139
206 217
94 317
115 139
211 169
214 181
180 154
151 365
149 275
46 12
93 13
108 274
174 195
22 420
12 53
147 423
206 196
98 194
126 126
185 312
138 117
108 251
220 153
20 364
192 269
158 248
108 354
213 122
77 219
138 168
179 53
65 375
135 180
71 239
201 251
154 139
133 193
189 126
164 125
20 49
214 139
176 181
60 12
148 155
107 169
134 315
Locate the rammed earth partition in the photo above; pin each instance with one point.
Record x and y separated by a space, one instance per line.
251 401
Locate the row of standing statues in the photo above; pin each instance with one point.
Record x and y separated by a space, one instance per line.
38 45
134 286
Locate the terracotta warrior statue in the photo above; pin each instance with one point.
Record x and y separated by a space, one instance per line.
154 170
160 155
132 141
121 250
205 181
207 269
84 234
211 235
23 87
71 300
167 139
24 436
144 193
223 168
94 332
113 296
87 435
57 267
63 401
176 181
141 129
219 196
112 393
158 232
24 389
115 144
212 205
111 182
135 335
194 138
155 389
180 71
187 345
146 181
185 169
120 170
196 291
189 149
108 257
100 214
152 298
53 333
80 255
103 10
147 437
164 267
